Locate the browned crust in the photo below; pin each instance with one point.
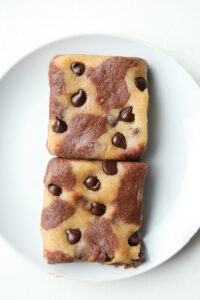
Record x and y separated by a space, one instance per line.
134 264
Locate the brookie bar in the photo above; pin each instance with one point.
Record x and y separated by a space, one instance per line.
98 107
92 211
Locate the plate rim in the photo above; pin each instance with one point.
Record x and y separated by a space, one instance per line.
195 227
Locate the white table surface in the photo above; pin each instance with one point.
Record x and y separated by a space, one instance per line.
171 25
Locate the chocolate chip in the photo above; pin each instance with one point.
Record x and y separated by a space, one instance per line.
79 98
112 121
110 167
73 236
97 209
135 131
108 258
60 126
92 183
119 140
104 257
140 83
134 239
55 189
126 114
78 68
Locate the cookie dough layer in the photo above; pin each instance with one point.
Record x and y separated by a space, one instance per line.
92 211
98 107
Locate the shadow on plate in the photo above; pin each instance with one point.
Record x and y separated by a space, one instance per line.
153 127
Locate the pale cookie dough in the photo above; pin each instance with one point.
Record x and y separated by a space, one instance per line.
92 211
98 107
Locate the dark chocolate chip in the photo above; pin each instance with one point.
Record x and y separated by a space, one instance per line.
110 167
79 98
60 126
78 68
134 239
126 114
104 258
55 189
97 209
92 183
135 131
73 236
119 140
140 83
112 121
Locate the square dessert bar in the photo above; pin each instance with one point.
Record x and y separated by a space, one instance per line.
92 211
98 107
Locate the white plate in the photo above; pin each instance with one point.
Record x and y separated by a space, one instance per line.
171 198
